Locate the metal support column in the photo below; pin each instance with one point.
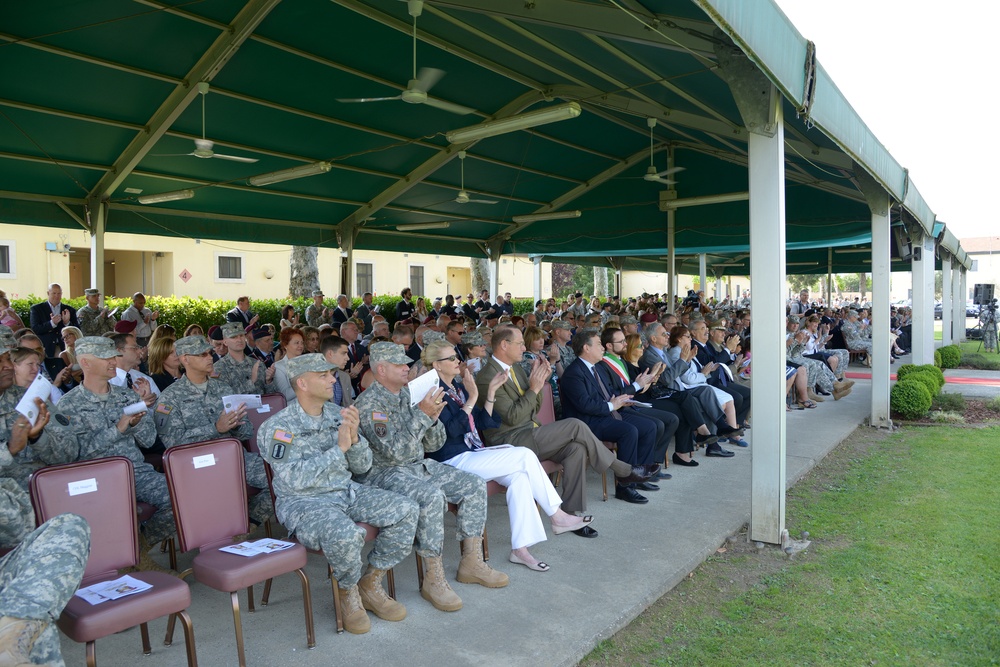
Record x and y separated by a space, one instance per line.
97 214
536 277
671 261
963 289
703 274
957 303
923 299
829 277
946 309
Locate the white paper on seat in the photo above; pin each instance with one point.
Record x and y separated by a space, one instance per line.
112 590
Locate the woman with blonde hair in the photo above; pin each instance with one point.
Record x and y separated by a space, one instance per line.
70 335
164 366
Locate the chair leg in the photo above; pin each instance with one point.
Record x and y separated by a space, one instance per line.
144 633
239 628
172 546
169 638
192 654
307 603
604 485
420 572
91 654
250 607
390 582
338 610
486 546
267 593
267 528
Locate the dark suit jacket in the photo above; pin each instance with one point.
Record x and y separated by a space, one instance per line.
456 425
237 315
51 335
581 396
344 378
470 312
339 317
673 371
516 411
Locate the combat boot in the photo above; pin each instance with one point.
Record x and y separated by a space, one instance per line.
354 616
472 569
146 562
17 637
436 589
376 600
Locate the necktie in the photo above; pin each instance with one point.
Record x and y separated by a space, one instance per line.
604 393
353 355
128 380
513 377
338 393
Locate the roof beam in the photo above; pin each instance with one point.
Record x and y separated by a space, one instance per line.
211 62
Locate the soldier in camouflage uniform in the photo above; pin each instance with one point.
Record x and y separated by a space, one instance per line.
190 410
37 580
93 415
399 435
246 375
314 448
317 313
562 332
94 320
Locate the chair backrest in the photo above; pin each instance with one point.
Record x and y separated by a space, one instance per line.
207 491
276 402
546 413
102 491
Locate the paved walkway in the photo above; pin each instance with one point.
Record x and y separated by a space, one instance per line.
595 586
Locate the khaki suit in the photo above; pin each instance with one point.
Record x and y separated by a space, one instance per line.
567 441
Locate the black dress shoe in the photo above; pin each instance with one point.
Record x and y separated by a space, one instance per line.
720 452
681 462
726 430
638 474
630 495
709 439
652 468
663 475
647 486
586 531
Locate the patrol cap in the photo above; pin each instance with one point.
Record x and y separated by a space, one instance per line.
91 291
125 326
318 292
7 337
191 345
4 348
431 336
473 339
627 319
98 346
390 353
562 324
232 329
313 362
261 333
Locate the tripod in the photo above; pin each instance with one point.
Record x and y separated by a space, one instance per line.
988 328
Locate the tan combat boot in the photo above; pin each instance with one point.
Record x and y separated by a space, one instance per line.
843 384
814 396
840 393
473 569
376 600
436 589
355 617
17 637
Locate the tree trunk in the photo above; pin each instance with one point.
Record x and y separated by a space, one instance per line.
480 269
305 271
601 282
562 280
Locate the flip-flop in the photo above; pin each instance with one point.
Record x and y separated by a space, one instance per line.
537 567
559 530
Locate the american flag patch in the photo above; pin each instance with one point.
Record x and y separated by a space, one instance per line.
380 417
163 409
283 436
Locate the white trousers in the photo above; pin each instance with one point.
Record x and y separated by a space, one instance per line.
518 469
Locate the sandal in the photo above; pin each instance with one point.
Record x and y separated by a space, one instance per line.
807 404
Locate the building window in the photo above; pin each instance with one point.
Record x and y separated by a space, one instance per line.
8 256
417 280
364 280
229 268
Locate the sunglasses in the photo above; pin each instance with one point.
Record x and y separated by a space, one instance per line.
451 358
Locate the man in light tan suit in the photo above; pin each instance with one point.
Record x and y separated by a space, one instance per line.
334 350
567 441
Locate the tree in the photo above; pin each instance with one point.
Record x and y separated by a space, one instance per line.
600 281
304 271
480 270
799 282
850 282
562 280
938 285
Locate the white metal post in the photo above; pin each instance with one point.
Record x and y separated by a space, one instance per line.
957 302
880 311
946 309
703 274
494 278
671 261
537 277
98 222
829 277
767 275
963 290
923 301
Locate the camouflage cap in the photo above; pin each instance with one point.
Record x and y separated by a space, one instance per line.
627 319
4 347
232 329
318 292
91 291
191 345
473 339
431 336
391 353
562 324
313 362
98 346
7 337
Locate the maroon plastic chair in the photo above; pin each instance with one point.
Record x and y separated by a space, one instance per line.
102 491
207 475
276 402
547 415
371 532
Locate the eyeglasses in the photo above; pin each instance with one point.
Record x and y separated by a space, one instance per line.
618 342
451 358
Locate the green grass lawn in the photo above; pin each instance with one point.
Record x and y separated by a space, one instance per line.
904 568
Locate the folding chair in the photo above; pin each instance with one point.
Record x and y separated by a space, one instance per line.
210 474
275 403
102 491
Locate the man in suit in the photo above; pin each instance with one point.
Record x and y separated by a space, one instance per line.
366 311
718 377
469 309
357 354
241 313
453 334
334 350
49 317
342 313
586 396
567 441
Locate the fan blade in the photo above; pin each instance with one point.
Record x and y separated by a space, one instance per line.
483 201
667 172
427 77
664 181
448 106
235 158
170 154
352 100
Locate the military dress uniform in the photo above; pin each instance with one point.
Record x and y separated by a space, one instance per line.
318 501
399 434
187 413
37 580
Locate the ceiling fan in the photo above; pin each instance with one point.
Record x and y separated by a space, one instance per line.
203 146
422 81
652 175
463 196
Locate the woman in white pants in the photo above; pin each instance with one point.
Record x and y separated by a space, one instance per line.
516 468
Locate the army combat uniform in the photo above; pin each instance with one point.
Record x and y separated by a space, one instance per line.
186 412
314 316
318 501
399 434
237 374
92 323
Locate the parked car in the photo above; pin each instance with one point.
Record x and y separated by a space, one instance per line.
938 310
971 309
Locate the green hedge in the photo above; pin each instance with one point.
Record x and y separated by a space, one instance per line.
951 356
927 379
937 358
910 399
935 371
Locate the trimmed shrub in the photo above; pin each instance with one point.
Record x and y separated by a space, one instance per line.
951 356
928 381
947 418
910 399
937 358
935 371
905 370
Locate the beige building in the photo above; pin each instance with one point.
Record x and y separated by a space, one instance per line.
984 251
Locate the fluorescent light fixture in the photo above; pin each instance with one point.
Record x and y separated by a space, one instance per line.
842 251
802 264
734 264
166 196
557 215
442 224
524 121
289 174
